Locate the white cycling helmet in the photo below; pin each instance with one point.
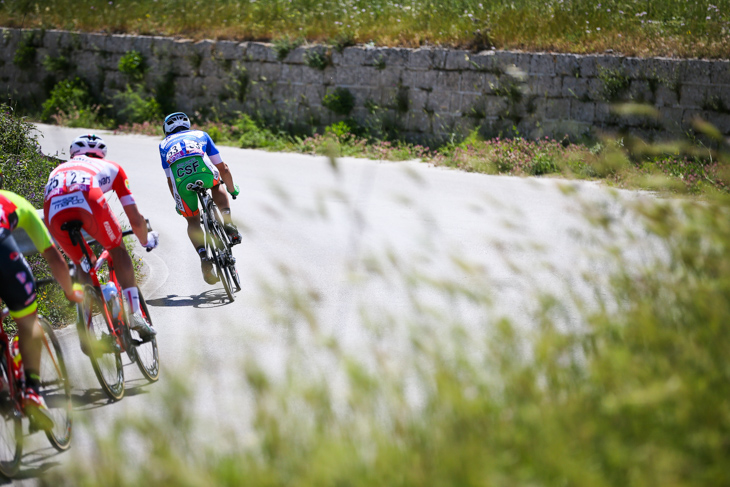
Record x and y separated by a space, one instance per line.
89 145
174 121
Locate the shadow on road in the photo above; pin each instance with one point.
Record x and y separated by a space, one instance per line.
35 463
208 299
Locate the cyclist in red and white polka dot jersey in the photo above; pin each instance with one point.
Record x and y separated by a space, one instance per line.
75 191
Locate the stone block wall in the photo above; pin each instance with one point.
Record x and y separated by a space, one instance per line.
424 94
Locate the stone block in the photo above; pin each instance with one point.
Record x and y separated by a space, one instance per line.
293 73
425 80
354 56
418 121
672 118
270 72
557 109
587 66
542 64
545 86
261 51
502 59
720 120
582 111
472 105
633 67
522 61
390 76
447 80
596 90
457 60
143 45
567 65
396 56
695 71
438 58
720 74
351 76
692 95
604 115
296 56
439 101
575 88
486 62
420 59
162 47
313 94
361 95
640 91
230 49
417 100
472 82
181 48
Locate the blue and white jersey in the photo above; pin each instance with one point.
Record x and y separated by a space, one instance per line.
187 144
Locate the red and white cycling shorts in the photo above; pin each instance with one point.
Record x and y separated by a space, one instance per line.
93 211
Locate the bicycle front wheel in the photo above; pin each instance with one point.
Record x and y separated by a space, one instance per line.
55 389
148 358
99 343
11 427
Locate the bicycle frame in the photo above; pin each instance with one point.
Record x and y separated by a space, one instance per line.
74 231
14 386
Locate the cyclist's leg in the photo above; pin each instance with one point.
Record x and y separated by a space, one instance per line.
221 200
17 289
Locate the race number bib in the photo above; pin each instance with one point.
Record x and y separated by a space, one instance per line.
184 148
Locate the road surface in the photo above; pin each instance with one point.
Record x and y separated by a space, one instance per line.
345 242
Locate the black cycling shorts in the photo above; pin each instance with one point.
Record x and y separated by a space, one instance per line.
17 284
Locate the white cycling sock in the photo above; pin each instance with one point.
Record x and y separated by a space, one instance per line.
131 294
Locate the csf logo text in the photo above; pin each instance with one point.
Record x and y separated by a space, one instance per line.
187 169
71 200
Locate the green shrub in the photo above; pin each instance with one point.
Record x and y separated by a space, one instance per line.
133 107
67 96
133 65
58 64
285 45
253 136
615 83
341 101
25 171
25 53
317 60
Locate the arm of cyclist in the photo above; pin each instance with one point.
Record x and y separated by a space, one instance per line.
29 220
59 269
148 240
225 173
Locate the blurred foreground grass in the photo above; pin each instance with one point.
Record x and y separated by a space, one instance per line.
630 388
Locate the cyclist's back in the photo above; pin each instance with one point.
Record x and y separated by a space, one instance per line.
183 159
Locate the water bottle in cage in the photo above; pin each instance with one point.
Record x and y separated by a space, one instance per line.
111 296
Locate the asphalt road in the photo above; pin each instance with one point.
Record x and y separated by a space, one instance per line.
315 231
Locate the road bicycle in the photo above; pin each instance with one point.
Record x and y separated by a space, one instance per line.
217 243
54 387
103 323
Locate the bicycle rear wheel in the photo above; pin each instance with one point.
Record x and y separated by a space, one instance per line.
11 427
148 358
220 259
55 389
96 332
